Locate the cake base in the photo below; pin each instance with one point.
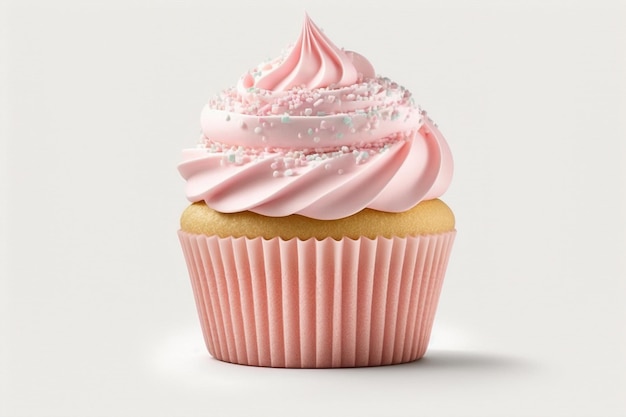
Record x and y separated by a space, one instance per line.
428 217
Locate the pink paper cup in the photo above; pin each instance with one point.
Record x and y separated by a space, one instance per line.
317 303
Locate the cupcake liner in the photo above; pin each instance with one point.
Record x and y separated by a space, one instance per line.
316 303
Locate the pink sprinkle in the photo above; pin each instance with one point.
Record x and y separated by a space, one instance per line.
248 81
318 102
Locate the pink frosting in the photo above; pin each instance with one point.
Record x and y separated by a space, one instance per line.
313 62
316 133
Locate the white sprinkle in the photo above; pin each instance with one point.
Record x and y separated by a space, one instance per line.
288 172
318 102
308 111
340 171
327 167
363 155
258 130
316 139
276 174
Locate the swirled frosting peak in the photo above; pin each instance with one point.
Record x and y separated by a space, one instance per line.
316 133
313 62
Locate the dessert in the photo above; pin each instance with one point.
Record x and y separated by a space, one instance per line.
315 237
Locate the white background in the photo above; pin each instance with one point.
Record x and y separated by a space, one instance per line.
98 98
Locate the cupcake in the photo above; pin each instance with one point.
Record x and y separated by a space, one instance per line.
316 237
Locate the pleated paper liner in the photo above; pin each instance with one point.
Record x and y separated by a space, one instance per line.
317 303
